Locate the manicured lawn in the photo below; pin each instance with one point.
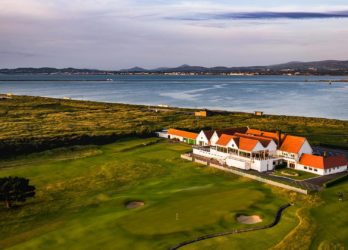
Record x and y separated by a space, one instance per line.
81 193
301 175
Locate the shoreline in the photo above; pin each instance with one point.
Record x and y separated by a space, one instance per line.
174 108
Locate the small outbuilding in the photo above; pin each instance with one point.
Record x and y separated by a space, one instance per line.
184 136
258 113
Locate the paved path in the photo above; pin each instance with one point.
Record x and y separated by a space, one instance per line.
325 178
235 231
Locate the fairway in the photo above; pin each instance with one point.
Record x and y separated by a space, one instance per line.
82 194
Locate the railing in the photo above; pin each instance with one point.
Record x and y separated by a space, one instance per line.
299 185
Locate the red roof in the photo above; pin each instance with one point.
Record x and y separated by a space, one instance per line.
182 133
231 131
225 139
247 144
292 144
321 162
265 134
263 140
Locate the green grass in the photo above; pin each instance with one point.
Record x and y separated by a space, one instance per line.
301 175
81 194
31 123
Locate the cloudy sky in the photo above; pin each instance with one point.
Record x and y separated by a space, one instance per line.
115 34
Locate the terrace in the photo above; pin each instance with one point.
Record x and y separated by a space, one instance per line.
224 152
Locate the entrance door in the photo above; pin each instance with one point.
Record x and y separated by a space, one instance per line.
291 165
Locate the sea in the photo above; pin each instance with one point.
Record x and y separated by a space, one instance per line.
310 96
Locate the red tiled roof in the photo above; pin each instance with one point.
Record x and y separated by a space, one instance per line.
263 140
225 139
265 134
292 144
231 131
182 133
247 144
321 162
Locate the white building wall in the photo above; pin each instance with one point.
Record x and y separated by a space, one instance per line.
258 147
305 149
214 139
202 138
162 134
272 148
209 154
238 164
262 165
321 171
232 144
215 152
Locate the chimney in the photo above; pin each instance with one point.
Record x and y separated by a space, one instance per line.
279 136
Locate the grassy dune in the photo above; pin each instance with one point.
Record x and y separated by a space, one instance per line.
82 192
31 123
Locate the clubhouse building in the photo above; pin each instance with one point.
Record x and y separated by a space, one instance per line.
251 149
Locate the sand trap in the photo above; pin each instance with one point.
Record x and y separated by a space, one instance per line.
134 204
252 219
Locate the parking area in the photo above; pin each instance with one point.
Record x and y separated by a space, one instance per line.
319 181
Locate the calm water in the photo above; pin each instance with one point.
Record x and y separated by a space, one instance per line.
286 95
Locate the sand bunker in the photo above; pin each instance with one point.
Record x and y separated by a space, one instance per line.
252 219
134 204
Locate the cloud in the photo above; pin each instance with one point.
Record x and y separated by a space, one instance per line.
17 53
263 15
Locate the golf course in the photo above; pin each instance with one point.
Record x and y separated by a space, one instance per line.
83 192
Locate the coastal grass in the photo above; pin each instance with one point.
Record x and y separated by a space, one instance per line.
29 124
82 194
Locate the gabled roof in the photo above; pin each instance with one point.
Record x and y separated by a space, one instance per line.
182 133
265 134
292 144
263 140
224 139
231 131
208 134
321 162
247 144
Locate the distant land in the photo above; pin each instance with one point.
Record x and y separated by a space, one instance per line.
328 67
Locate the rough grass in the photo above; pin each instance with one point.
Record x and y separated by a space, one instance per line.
38 121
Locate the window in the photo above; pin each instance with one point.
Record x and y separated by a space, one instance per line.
310 169
305 167
316 170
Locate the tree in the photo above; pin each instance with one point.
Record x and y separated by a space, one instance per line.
15 189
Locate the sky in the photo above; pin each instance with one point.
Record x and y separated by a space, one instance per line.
115 34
